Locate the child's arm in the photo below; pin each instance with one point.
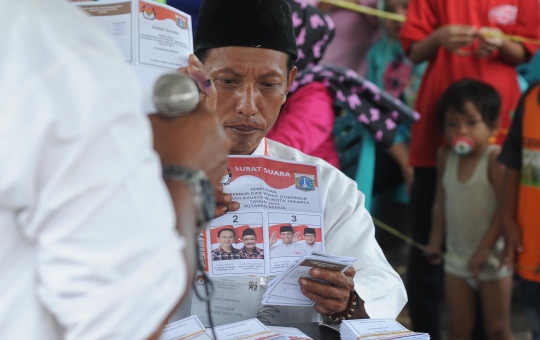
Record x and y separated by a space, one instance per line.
451 37
434 247
495 230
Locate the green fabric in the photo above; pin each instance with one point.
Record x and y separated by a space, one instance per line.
365 173
161 1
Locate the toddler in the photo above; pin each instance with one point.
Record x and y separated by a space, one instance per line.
466 211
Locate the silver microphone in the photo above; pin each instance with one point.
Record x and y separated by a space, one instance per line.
175 94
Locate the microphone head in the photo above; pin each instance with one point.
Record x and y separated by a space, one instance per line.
175 94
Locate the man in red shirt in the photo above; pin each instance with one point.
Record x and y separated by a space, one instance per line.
454 37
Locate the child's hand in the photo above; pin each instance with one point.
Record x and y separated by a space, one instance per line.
433 254
454 37
512 243
477 261
490 41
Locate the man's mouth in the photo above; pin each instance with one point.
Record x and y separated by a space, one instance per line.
244 130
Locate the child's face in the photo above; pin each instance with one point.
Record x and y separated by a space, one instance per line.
468 124
399 7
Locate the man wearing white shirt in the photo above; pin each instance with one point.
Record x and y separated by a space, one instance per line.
309 243
89 248
286 247
251 63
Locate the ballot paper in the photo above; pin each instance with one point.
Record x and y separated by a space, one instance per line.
367 329
284 290
292 333
153 38
273 194
192 329
189 328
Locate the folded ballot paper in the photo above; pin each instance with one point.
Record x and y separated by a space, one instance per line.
284 290
192 329
367 329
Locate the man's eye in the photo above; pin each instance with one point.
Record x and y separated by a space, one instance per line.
269 85
226 81
473 122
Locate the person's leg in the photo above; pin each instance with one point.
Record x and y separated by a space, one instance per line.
530 300
496 301
461 303
424 281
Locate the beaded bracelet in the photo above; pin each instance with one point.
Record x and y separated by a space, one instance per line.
348 313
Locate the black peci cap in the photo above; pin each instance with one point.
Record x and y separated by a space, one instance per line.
248 231
246 23
285 228
309 231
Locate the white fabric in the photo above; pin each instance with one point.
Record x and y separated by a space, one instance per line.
89 249
310 249
281 249
349 231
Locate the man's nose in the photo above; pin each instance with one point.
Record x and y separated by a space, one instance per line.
247 101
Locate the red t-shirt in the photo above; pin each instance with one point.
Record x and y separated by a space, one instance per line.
306 122
516 17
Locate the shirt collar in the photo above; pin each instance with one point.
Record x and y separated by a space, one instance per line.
262 149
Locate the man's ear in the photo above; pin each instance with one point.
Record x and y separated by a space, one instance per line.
290 80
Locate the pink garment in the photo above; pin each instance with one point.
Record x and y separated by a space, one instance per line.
306 122
355 34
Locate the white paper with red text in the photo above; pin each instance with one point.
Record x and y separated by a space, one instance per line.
272 194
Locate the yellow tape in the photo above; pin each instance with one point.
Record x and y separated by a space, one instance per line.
365 9
422 247
401 18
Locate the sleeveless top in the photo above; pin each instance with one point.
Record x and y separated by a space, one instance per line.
469 209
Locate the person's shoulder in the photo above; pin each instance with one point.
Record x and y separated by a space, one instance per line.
328 171
279 150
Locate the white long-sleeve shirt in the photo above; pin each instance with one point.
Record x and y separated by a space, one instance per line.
88 246
349 231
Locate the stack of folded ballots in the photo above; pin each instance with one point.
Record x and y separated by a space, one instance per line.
284 290
367 329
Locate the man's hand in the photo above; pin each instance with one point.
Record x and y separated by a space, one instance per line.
490 41
196 140
273 239
329 299
224 202
454 37
296 237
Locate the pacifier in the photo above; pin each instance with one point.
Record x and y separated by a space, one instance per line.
462 145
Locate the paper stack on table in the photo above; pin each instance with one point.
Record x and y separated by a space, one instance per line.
192 329
367 329
284 290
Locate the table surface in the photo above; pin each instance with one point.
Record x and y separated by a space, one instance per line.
314 331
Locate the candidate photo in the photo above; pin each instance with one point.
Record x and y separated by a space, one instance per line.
250 249
226 251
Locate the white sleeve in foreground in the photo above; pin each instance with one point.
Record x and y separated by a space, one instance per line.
108 257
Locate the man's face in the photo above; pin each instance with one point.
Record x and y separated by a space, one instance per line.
252 84
286 237
226 239
310 239
250 241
